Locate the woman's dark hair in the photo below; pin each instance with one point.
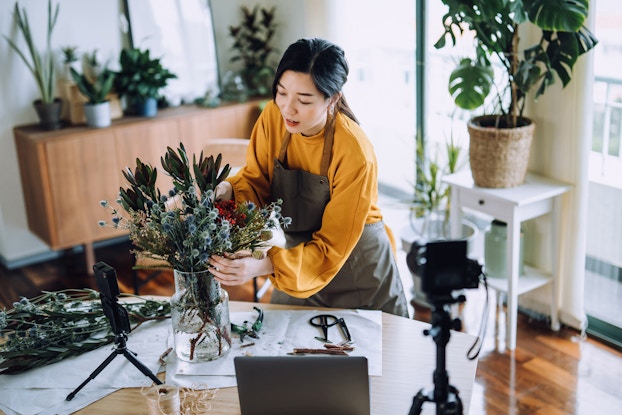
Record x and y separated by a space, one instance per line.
324 61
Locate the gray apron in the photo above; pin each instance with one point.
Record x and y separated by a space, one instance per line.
369 279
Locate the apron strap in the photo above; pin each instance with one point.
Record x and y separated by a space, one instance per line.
328 146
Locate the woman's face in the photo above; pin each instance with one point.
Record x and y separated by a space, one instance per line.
303 107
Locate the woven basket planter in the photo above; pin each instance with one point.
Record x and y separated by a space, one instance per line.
499 156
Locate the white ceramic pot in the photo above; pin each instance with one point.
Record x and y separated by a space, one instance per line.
97 115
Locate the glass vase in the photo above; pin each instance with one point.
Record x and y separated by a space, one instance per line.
433 226
200 316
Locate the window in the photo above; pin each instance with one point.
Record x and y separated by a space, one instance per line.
379 41
603 280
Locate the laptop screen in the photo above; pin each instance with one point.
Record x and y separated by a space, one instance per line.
301 385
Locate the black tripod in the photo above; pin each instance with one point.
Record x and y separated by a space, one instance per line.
444 395
119 322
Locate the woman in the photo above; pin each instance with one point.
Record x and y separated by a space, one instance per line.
308 150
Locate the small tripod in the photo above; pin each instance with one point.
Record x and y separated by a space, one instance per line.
445 396
119 322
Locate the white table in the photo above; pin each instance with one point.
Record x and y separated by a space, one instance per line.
408 362
536 197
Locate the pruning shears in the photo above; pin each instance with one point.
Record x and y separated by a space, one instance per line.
248 329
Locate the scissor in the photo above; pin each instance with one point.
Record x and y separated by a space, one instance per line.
324 321
247 329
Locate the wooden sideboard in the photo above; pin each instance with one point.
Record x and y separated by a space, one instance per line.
66 173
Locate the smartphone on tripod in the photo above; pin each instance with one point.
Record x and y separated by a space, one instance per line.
106 278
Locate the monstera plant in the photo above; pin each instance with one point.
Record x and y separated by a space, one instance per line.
522 68
495 24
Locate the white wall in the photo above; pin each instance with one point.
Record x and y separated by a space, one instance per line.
89 25
100 30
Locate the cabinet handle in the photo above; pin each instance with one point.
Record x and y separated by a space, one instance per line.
481 202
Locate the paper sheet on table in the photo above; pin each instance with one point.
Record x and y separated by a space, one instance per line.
41 401
23 392
282 331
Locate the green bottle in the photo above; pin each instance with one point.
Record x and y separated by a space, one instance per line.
495 255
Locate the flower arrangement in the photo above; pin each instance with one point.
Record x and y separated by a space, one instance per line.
56 325
186 225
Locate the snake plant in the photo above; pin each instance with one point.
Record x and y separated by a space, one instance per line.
95 90
41 66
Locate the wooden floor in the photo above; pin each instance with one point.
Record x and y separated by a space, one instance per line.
548 373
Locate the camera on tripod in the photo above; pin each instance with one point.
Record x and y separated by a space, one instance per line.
444 267
445 270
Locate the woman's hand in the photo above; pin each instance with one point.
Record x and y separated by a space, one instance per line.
238 271
223 191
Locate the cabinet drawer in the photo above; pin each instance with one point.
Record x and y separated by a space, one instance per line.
483 203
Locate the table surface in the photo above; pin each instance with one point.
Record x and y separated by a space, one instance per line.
409 358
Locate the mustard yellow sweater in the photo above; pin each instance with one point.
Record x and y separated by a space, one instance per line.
303 270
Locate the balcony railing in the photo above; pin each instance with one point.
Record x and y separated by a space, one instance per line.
606 158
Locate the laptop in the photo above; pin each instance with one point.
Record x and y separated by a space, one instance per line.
319 384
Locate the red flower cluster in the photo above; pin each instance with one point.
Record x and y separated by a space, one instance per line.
227 210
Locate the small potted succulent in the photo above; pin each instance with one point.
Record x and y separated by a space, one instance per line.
71 59
140 80
96 90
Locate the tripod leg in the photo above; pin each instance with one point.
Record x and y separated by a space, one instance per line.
93 375
418 402
455 401
140 366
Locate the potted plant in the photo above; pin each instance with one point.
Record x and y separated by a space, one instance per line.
92 64
429 207
496 25
42 67
140 80
70 57
96 90
252 44
431 195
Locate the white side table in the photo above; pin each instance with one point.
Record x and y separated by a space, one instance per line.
536 197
